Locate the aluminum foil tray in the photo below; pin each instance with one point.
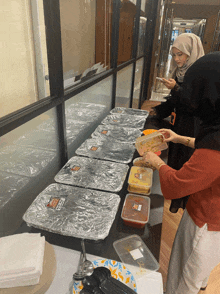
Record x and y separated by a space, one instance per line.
107 149
111 132
130 111
125 120
24 161
85 111
10 186
73 211
93 173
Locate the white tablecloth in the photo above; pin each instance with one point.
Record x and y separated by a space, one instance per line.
67 262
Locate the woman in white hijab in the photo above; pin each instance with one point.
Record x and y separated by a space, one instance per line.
186 49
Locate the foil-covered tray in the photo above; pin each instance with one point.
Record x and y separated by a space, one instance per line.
130 111
107 149
93 173
24 161
10 186
125 120
73 211
85 111
111 132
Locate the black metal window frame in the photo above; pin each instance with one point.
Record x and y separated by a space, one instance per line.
57 94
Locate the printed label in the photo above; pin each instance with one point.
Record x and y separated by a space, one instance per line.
56 203
75 168
104 132
137 207
138 176
93 148
136 254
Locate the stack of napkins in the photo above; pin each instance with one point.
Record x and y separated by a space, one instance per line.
21 260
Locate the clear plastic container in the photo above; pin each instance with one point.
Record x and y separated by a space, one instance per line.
136 256
139 162
136 210
140 180
153 142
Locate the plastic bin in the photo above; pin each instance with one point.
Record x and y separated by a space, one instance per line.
140 180
153 142
134 253
136 210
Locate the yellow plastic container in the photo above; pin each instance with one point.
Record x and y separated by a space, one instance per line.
153 142
140 180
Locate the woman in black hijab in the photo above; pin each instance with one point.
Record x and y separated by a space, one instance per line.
196 248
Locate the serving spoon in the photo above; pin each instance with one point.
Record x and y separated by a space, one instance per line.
87 266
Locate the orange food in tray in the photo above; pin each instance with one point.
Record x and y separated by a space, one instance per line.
140 180
136 210
153 142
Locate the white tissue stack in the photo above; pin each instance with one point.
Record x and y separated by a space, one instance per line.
21 260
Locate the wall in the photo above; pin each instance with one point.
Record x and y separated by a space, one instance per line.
78 34
18 82
209 32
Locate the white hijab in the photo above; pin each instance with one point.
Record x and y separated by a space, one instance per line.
191 45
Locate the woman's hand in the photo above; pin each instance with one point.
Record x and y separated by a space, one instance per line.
154 160
170 136
170 84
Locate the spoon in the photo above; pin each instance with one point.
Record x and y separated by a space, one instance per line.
79 275
87 266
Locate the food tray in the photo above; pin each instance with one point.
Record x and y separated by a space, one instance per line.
125 120
93 173
87 112
73 211
107 149
140 180
111 132
130 111
153 142
136 210
24 161
134 253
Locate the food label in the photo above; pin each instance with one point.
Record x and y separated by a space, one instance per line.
75 168
136 254
93 148
115 120
137 207
56 203
138 176
104 132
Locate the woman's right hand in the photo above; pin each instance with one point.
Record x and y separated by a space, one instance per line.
169 135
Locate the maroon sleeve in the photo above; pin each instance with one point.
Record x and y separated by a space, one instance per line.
197 174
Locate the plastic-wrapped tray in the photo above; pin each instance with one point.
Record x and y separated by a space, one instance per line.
125 120
10 186
85 111
111 132
107 149
73 211
130 111
24 161
93 173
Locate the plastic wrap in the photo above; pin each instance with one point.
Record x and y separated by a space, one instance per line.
130 111
107 149
93 173
10 185
24 161
111 132
73 211
125 120
87 112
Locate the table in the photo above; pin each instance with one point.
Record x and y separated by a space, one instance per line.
67 262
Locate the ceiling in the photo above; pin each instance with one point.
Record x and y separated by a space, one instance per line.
192 9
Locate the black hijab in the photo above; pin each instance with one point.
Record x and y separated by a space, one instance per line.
201 93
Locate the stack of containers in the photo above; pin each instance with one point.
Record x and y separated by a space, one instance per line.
136 207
